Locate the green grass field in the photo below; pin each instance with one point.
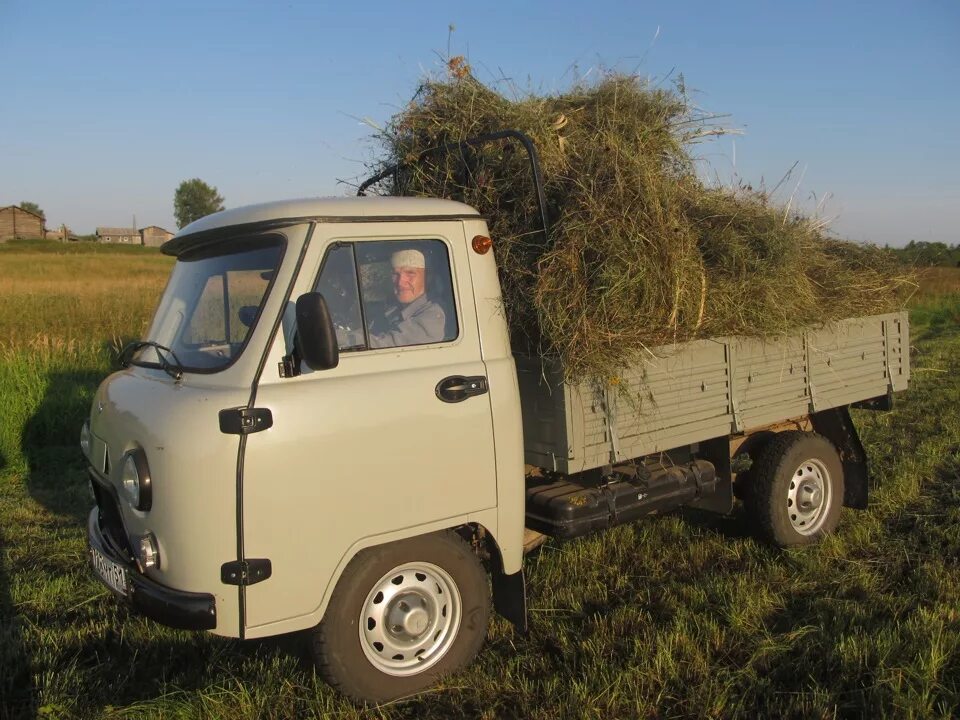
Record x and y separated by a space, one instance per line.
680 616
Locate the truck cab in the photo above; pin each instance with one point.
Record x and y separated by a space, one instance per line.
236 484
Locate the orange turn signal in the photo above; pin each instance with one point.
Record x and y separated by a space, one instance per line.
482 244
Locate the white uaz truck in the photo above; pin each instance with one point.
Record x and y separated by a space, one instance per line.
326 430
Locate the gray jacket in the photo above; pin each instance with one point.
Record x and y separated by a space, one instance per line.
418 323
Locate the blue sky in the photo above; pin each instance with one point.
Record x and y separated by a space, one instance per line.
106 106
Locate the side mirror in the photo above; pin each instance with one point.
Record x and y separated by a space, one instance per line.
318 338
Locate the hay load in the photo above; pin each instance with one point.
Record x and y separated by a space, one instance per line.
641 252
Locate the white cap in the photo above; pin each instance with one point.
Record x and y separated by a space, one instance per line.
408 258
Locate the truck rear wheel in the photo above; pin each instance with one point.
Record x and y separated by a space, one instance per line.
401 616
797 489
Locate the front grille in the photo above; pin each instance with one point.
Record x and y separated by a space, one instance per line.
111 523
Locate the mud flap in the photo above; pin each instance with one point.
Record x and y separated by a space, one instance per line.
510 597
837 426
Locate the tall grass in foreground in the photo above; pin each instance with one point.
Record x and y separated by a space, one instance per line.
683 615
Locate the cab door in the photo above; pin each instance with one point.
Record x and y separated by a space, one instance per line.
394 441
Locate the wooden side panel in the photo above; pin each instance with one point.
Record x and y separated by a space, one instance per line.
770 380
848 362
897 331
679 397
700 390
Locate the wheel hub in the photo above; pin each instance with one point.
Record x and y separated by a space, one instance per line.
808 497
410 619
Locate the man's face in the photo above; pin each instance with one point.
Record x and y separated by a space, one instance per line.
408 283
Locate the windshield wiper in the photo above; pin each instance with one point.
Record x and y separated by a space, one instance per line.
173 369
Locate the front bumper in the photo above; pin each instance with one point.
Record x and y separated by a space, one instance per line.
174 608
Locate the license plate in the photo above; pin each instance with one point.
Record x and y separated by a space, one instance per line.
114 575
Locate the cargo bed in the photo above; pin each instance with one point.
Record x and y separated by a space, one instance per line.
695 391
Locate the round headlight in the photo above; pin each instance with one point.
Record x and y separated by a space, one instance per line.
85 439
131 480
149 552
136 479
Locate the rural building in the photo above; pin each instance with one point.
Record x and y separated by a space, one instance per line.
15 222
118 235
154 236
63 234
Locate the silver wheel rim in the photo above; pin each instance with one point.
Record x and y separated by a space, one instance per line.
809 496
410 619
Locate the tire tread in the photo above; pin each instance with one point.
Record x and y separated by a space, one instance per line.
323 648
761 501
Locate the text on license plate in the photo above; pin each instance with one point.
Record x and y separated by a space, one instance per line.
112 574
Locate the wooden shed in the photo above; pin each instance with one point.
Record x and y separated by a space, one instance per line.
118 235
154 236
15 222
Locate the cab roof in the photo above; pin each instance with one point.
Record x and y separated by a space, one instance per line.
287 212
332 207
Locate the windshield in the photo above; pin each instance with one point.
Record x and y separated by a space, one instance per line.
212 303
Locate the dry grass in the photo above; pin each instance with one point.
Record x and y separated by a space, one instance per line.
936 282
642 252
84 299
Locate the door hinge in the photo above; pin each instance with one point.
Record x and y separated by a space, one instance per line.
245 420
245 572
289 366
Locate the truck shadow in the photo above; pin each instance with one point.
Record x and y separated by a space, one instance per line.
50 445
17 697
50 441
135 661
36 551
735 526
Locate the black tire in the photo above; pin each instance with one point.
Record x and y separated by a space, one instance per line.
796 489
344 649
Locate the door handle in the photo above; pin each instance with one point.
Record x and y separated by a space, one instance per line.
458 388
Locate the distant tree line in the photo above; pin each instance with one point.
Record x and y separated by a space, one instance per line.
928 254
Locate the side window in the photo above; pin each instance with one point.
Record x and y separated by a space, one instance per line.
247 289
389 293
207 324
338 283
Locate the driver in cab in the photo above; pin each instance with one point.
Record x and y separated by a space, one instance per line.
413 319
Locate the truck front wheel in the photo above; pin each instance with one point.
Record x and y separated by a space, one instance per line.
797 489
402 615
